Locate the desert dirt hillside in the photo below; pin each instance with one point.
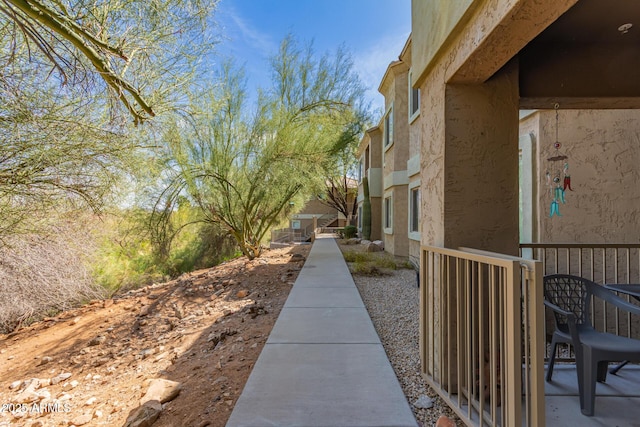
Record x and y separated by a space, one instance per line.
98 364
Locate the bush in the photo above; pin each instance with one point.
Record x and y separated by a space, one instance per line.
131 256
44 274
350 231
372 263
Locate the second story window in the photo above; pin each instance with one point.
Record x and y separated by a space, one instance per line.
414 99
388 127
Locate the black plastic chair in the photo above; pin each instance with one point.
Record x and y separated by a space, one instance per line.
570 299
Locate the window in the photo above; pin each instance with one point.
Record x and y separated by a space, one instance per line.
387 212
359 217
388 128
414 99
360 171
414 210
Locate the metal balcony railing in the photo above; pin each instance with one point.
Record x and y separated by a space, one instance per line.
600 263
481 335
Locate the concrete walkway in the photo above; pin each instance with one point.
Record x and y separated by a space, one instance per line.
323 364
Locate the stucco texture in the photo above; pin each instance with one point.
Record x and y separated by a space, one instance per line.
603 147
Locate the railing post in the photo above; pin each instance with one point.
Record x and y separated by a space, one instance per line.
513 348
535 367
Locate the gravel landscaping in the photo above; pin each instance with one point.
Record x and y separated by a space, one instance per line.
393 304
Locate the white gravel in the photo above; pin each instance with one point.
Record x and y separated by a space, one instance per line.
393 304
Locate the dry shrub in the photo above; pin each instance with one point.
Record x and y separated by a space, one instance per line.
44 274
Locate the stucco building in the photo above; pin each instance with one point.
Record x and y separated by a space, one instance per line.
475 107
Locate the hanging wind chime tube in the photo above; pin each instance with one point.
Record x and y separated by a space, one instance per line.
558 179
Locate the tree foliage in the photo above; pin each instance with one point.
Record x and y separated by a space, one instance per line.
247 169
64 143
139 49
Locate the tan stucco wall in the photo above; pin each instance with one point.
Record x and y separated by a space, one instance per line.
490 35
487 34
603 147
395 89
432 23
316 207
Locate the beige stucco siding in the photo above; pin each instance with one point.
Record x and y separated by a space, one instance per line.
603 147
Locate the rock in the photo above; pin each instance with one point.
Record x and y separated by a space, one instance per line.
14 385
372 247
45 360
97 340
147 352
82 420
445 422
37 424
423 402
365 242
145 415
379 243
60 377
179 311
145 310
91 401
29 394
220 380
242 294
354 241
296 258
216 337
161 390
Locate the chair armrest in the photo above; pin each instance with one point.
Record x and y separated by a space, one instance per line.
568 314
571 322
610 297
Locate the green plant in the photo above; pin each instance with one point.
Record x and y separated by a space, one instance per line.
372 263
366 210
350 231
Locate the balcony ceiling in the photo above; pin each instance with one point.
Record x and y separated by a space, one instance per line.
584 59
596 21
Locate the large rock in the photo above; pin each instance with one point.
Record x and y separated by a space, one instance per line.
145 415
161 390
379 243
423 402
82 420
372 247
445 421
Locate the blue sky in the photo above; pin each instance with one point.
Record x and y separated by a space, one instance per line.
374 31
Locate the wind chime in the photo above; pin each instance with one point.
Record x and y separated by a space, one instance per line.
558 178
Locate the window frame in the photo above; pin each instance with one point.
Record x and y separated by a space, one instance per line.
414 108
388 214
388 128
414 212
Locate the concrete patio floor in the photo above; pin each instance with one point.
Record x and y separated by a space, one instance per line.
617 400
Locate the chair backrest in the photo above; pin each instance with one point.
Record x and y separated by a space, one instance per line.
572 294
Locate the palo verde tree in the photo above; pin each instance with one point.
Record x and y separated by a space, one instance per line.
247 168
341 187
73 75
137 50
